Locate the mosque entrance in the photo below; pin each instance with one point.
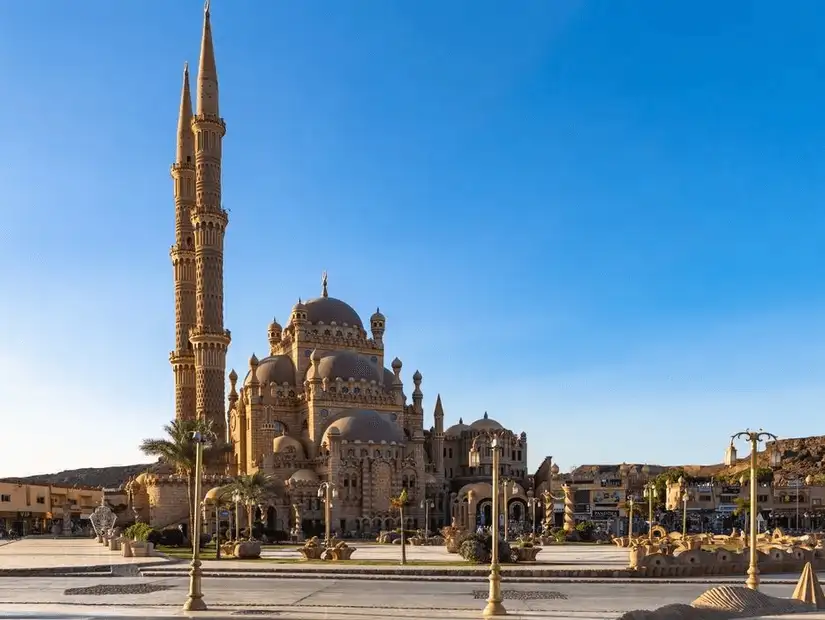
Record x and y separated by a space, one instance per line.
484 513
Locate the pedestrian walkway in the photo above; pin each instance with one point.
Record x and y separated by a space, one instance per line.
46 553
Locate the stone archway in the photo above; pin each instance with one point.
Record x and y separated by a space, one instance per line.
484 513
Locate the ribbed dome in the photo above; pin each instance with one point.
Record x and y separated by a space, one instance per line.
284 444
346 365
304 475
329 309
365 425
276 369
486 424
456 429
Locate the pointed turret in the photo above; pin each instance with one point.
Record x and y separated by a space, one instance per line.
207 71
182 254
186 141
210 339
438 438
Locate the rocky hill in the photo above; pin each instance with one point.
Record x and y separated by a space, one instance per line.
107 477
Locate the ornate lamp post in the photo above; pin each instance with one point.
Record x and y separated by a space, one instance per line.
426 504
236 498
194 601
494 605
506 483
630 500
685 499
533 503
327 491
650 494
754 437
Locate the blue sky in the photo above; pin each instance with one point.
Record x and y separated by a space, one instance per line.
600 221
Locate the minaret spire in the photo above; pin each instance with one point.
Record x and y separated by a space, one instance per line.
207 70
209 338
186 143
182 254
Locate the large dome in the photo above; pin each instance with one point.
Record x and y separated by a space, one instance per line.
486 424
276 369
365 425
346 365
328 309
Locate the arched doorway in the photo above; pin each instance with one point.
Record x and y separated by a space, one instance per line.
484 513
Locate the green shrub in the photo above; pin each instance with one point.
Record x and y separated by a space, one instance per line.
478 548
138 531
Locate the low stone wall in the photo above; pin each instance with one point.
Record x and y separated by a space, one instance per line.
701 563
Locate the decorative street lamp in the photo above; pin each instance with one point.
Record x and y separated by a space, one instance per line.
236 498
533 503
506 484
754 437
650 494
630 500
327 491
494 605
426 504
194 601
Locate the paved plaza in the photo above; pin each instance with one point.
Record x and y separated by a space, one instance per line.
332 598
326 596
40 553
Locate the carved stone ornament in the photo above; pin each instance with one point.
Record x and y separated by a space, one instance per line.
103 520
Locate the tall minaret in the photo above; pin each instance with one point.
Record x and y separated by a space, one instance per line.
438 438
209 338
183 259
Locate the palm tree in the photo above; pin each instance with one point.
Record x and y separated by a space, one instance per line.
743 507
178 450
399 503
253 490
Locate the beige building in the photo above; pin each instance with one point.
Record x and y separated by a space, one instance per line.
325 404
36 508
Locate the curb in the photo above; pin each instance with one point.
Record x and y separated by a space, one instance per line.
479 578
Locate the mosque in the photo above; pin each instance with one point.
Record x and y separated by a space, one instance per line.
325 404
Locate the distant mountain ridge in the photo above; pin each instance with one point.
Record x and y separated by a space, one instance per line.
107 477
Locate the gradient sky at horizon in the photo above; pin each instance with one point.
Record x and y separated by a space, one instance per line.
599 221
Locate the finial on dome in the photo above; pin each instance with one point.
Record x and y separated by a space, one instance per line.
315 357
324 292
206 7
461 420
233 376
486 417
253 361
417 377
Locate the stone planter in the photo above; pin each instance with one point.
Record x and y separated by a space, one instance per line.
311 552
527 554
126 547
342 553
247 550
141 548
100 538
114 544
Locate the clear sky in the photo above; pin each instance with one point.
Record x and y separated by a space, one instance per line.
600 221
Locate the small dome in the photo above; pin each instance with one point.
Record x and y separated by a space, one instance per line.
486 424
217 493
275 326
456 429
328 309
233 376
365 425
346 365
554 469
396 364
275 369
284 444
417 376
304 475
377 316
